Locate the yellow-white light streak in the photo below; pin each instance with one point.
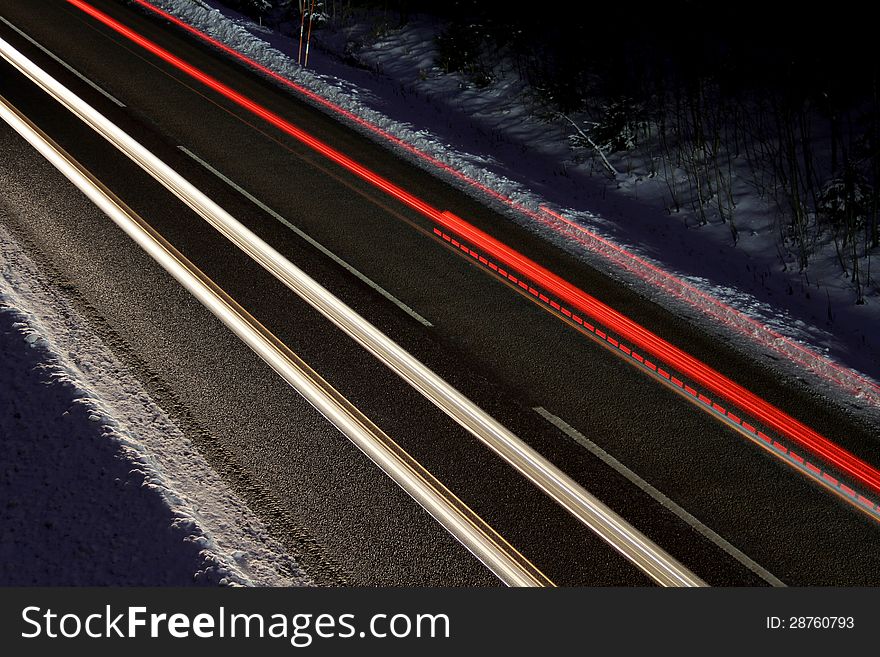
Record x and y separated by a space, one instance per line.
501 558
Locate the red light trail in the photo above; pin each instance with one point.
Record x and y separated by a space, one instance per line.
775 447
682 362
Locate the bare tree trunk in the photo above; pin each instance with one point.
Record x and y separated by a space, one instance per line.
875 164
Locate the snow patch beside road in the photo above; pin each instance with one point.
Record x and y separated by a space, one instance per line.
98 485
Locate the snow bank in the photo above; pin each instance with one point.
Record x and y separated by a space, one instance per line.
99 487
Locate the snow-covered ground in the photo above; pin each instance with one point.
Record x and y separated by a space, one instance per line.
500 145
97 484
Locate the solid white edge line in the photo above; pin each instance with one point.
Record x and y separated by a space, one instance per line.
70 68
660 497
642 552
507 569
308 238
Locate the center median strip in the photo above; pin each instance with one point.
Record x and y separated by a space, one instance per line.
305 236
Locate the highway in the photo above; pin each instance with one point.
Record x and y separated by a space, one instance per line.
726 509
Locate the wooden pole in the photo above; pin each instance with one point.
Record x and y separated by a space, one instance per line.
302 23
309 37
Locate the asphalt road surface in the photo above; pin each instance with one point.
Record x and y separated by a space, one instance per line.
334 510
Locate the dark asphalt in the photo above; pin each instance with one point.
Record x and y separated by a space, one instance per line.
326 501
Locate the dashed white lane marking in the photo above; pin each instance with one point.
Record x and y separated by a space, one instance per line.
643 485
335 258
63 63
